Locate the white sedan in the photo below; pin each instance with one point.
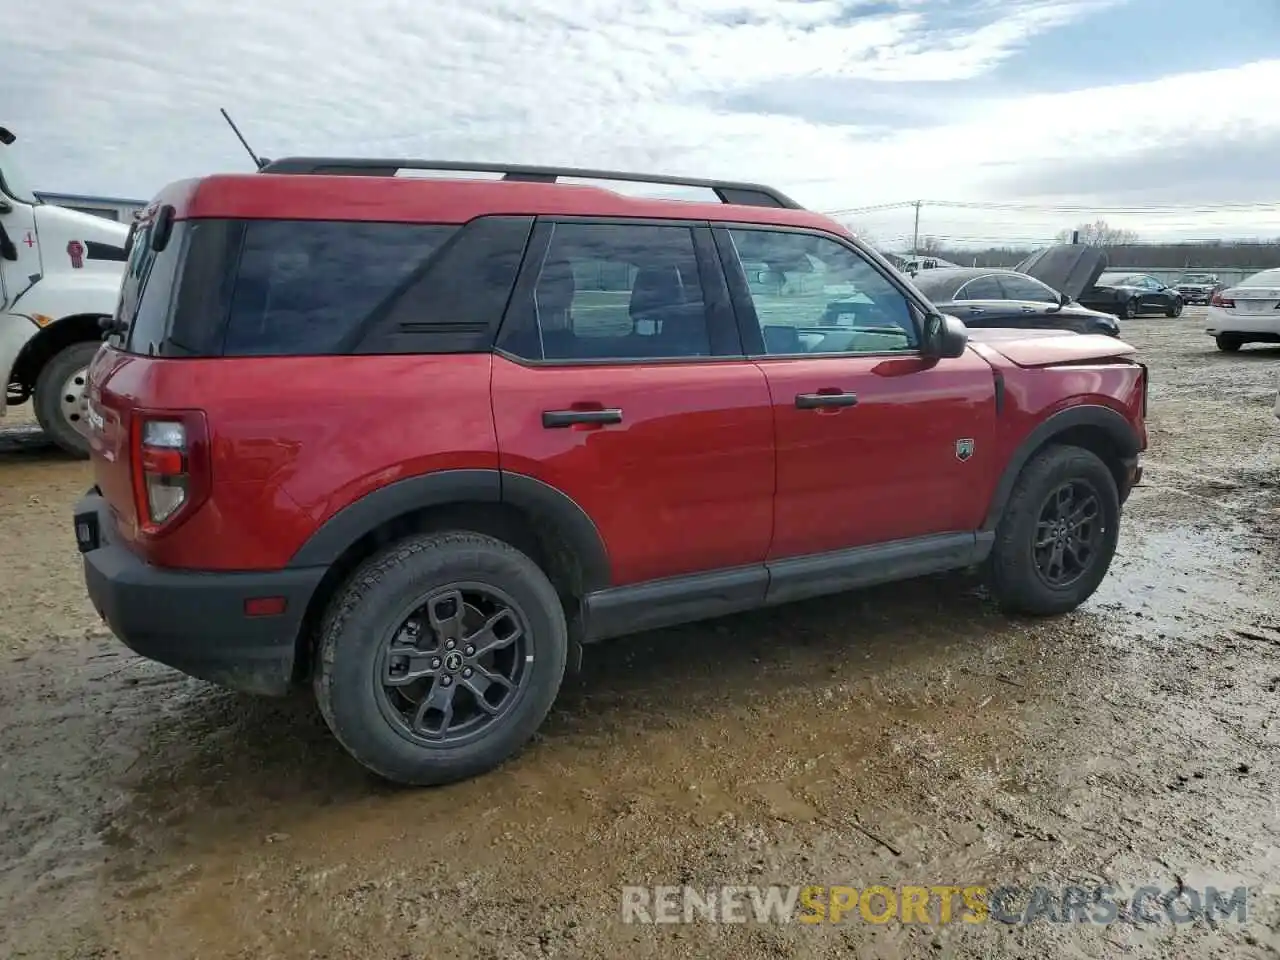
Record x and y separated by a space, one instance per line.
1249 312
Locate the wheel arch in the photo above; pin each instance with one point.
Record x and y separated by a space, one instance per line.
51 340
532 516
1101 430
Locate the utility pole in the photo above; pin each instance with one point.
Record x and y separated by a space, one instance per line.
915 236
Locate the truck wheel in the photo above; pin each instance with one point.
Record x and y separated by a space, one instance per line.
1058 534
59 396
1228 344
440 657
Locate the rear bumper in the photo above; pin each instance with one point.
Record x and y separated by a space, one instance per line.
194 621
1218 321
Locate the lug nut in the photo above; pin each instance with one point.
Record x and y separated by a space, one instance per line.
466 672
449 644
435 663
446 680
471 651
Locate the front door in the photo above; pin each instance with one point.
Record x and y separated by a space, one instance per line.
875 442
620 382
18 220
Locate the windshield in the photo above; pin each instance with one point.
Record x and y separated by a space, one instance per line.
13 180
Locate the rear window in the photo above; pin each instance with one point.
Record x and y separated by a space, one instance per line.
310 287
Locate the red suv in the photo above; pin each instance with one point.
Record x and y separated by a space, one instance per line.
417 439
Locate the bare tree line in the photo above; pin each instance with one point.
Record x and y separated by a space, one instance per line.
1124 248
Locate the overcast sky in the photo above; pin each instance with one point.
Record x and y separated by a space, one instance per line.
1161 112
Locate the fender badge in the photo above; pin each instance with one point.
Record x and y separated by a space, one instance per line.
964 450
75 250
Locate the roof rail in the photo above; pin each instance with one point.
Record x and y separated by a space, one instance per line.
728 191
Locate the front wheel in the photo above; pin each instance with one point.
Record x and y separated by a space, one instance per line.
1058 534
1175 310
1228 344
59 396
440 657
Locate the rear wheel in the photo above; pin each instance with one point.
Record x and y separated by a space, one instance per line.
1228 344
59 396
1130 308
440 657
1058 534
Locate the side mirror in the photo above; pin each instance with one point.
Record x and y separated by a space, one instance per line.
1064 300
947 337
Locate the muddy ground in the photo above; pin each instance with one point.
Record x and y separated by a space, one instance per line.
905 735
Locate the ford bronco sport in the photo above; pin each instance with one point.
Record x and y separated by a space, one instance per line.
416 440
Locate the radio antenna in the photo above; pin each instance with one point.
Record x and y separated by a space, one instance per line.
258 161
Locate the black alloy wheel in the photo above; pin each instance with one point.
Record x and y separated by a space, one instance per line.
1069 530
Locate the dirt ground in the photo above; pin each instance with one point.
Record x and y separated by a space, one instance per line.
904 735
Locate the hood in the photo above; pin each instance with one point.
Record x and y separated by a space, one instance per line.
1048 348
1070 268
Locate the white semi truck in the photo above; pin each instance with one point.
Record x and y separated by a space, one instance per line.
60 274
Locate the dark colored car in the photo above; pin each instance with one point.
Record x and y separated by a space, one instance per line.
1198 287
1131 295
415 441
985 297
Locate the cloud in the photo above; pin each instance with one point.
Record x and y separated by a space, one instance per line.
838 103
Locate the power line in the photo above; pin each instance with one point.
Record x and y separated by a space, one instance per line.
1146 209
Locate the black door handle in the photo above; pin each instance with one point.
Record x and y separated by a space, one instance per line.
567 418
812 401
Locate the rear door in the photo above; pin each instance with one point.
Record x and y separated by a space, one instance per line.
620 381
875 442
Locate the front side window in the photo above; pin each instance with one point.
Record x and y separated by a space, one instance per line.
617 292
1025 288
814 295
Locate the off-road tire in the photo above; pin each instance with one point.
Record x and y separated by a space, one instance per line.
48 397
359 617
1013 578
1228 344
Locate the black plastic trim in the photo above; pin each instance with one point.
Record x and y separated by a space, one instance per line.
194 621
1117 428
550 508
999 380
565 520
802 577
618 611
374 509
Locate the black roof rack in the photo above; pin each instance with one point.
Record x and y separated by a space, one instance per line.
745 194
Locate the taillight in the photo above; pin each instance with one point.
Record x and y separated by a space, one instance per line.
170 467
1218 300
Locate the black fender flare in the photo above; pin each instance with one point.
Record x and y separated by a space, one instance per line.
549 507
1116 427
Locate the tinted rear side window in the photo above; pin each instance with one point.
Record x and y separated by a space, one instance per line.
308 287
146 293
